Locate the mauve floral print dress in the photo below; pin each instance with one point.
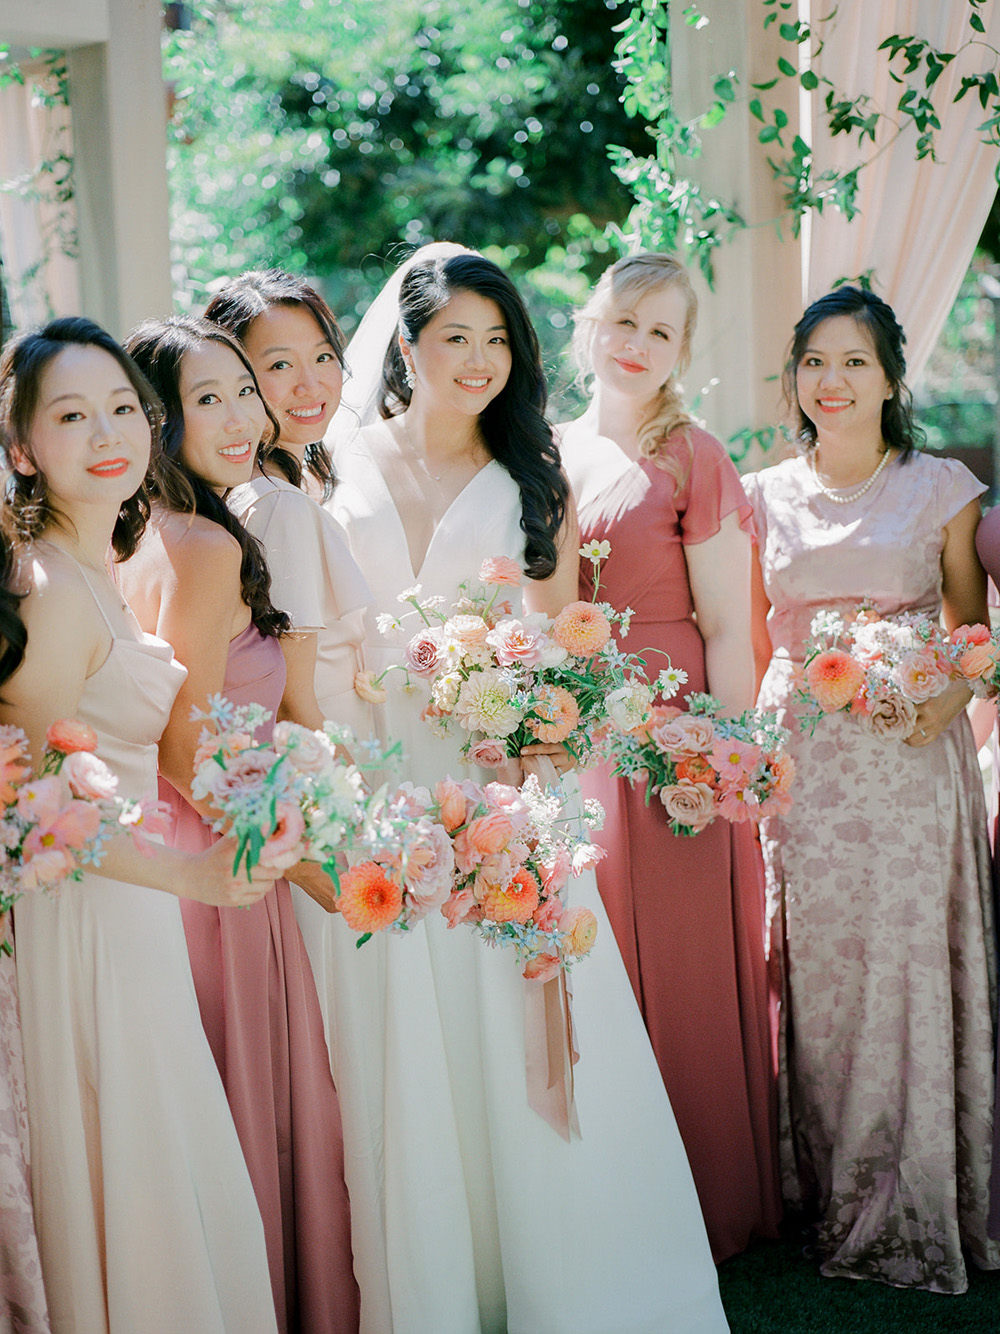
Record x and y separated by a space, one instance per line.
879 906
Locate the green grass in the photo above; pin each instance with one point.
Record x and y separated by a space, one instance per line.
773 1289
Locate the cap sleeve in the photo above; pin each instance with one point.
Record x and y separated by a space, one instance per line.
712 490
955 488
314 577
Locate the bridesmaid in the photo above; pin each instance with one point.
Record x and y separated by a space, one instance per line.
297 351
878 879
22 1293
688 913
988 549
200 581
145 1214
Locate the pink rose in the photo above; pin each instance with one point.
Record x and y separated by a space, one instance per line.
69 734
684 736
429 864
968 635
689 803
248 769
45 868
366 687
919 676
284 847
421 653
459 907
500 570
307 751
451 803
487 753
490 833
891 718
542 968
580 926
548 915
469 630
977 662
514 642
88 776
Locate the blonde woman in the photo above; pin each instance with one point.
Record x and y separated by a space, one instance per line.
687 912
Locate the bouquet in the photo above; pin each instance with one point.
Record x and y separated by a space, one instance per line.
288 799
508 681
879 669
54 826
494 857
702 765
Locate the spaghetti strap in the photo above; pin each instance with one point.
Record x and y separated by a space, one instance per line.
86 579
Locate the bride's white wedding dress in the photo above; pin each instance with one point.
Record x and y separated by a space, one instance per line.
491 1221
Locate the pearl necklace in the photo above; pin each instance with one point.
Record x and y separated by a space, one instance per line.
831 494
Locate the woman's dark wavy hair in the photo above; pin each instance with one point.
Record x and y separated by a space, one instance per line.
513 424
236 305
13 633
27 508
899 430
159 348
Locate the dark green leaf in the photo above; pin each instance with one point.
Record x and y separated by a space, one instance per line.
786 67
809 80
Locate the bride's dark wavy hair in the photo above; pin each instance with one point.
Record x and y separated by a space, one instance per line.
899 429
159 348
27 507
236 305
513 424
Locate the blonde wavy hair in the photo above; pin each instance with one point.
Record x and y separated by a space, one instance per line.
617 289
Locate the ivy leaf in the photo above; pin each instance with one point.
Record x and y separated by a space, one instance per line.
786 67
769 133
756 109
809 80
976 22
723 89
715 113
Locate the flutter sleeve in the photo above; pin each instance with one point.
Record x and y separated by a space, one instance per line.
711 491
314 577
956 487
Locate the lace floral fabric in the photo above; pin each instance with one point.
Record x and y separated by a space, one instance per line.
879 909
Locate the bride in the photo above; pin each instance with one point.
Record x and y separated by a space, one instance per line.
493 1221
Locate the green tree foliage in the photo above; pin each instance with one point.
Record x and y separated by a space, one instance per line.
318 134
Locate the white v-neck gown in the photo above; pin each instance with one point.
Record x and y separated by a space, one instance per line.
490 1221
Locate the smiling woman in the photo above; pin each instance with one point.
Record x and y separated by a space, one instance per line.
880 906
115 1054
200 581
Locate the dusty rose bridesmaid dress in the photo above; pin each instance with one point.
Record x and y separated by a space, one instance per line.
688 913
261 1013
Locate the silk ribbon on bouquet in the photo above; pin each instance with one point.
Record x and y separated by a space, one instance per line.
550 1035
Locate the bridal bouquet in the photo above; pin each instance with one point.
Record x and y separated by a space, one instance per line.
879 669
54 826
493 857
702 765
507 681
288 799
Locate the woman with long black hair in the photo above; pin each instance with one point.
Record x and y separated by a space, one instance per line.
200 581
493 1220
